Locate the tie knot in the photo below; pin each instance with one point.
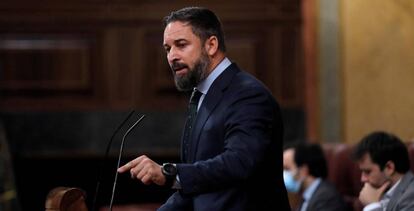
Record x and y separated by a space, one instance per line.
195 96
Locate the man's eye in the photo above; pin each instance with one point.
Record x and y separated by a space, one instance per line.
181 45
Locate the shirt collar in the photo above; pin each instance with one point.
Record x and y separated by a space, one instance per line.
391 191
307 194
204 85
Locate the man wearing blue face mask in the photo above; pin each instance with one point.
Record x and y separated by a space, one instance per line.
305 172
292 183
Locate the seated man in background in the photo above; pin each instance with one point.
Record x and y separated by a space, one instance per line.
388 183
305 172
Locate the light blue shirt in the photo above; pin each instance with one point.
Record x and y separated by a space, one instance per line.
307 194
204 85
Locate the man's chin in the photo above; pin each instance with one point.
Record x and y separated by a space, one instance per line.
376 186
182 87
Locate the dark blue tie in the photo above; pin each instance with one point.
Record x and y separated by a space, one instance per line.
192 113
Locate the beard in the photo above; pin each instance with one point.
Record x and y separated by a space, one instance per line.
194 75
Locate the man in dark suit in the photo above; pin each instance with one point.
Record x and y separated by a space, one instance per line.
232 146
305 172
385 167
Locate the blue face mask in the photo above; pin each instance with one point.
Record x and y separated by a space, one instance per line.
291 184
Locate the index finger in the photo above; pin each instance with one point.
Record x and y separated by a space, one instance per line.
131 164
125 167
384 186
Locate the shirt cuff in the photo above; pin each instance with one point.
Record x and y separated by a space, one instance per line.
372 206
177 184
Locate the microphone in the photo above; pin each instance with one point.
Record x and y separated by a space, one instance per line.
108 147
119 159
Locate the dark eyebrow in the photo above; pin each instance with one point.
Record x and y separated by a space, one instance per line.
180 40
175 42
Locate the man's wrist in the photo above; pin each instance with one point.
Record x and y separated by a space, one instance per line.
169 170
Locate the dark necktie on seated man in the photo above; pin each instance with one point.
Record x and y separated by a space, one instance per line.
192 114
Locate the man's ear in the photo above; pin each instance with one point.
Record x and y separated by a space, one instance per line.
389 168
211 45
303 170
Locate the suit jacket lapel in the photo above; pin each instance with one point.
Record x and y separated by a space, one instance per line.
213 97
315 194
400 189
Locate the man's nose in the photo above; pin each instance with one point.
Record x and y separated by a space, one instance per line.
172 55
364 178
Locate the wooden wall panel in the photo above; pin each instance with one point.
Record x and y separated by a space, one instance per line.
110 56
122 63
243 47
45 63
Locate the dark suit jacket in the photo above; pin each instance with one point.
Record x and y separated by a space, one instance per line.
235 151
326 198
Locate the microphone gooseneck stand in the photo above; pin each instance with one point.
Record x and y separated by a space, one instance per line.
102 166
119 159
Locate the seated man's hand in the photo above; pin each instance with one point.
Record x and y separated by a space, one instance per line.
370 194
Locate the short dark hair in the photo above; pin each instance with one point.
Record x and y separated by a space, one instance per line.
204 23
311 155
383 147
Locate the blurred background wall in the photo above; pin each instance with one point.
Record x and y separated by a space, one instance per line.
70 72
365 67
377 42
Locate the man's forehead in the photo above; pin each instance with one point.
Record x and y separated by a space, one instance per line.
290 152
288 159
177 28
288 155
366 161
366 158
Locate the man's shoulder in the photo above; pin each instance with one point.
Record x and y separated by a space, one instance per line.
403 200
238 83
243 79
408 182
406 188
327 196
327 188
326 191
